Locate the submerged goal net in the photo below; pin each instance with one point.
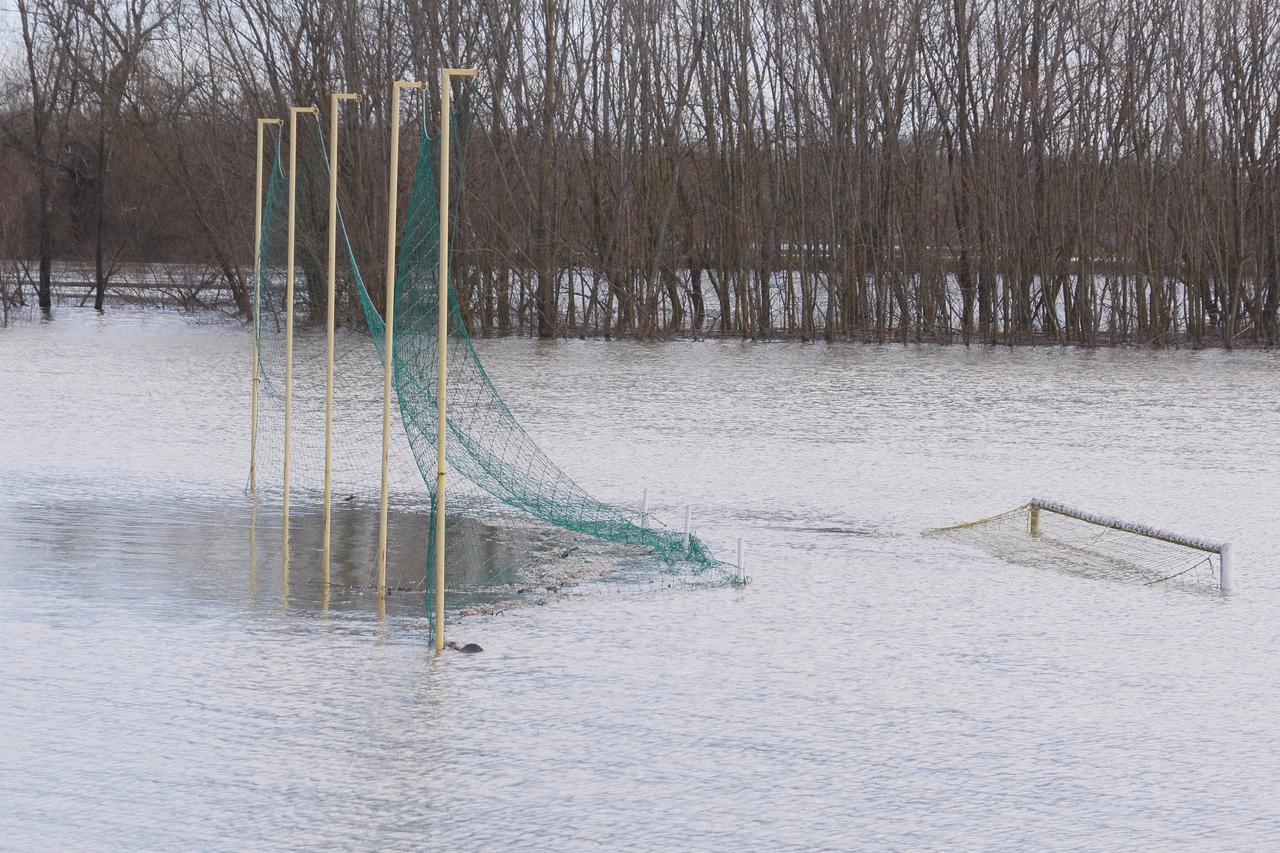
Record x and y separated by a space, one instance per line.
1045 534
515 520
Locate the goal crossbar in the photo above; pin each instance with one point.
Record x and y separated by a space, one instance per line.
1196 542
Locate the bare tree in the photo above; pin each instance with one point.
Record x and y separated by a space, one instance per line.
1073 171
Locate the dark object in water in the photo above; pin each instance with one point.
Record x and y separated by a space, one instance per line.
469 648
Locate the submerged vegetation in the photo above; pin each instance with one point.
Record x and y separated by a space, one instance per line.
1079 171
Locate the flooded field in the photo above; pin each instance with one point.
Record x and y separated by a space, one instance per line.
166 685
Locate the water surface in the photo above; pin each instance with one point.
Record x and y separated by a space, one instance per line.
164 686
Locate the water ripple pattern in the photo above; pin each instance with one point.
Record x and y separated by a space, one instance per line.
166 685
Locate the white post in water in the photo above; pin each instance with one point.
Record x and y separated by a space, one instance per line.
742 565
644 508
1035 521
688 520
257 301
331 298
446 86
389 322
288 313
1224 569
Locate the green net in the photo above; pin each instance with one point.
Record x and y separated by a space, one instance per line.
516 522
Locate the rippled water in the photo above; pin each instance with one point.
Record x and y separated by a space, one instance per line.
164 687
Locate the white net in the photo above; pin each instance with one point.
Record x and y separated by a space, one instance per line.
1042 534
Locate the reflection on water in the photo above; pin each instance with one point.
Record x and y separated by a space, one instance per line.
164 687
236 549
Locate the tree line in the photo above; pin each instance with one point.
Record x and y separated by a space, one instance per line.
1074 171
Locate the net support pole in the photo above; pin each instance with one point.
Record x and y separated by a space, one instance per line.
644 508
446 92
688 521
331 298
742 565
1224 569
288 324
1035 521
389 321
257 302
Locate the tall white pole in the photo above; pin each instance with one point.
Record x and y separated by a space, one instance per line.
688 523
446 83
331 298
288 301
389 321
257 301
1224 569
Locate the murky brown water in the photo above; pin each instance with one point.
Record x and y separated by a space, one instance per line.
162 688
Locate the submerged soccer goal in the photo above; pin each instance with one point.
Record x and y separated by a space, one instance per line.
1047 534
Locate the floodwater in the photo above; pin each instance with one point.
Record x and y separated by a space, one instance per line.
163 685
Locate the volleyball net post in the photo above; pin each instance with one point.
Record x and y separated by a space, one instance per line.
257 300
291 251
389 319
447 76
335 100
